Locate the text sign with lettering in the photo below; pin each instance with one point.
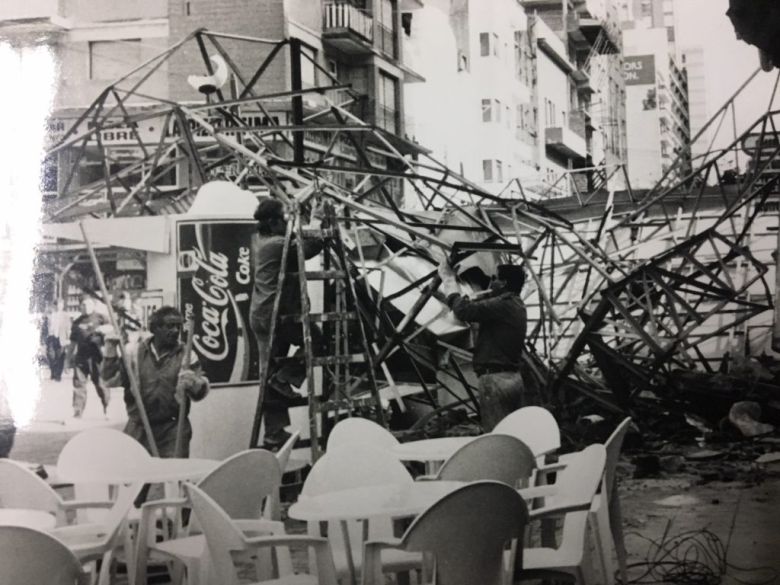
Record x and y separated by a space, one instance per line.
639 69
214 280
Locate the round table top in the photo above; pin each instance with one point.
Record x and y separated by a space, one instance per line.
365 502
153 470
37 519
430 449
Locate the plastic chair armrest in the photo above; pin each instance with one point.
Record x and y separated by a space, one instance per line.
427 478
274 527
79 504
538 491
558 510
372 559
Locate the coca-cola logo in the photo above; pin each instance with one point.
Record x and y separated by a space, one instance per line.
212 286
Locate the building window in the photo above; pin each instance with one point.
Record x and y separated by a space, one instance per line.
49 176
487 110
109 59
488 44
487 171
308 69
499 171
387 102
385 16
507 117
484 44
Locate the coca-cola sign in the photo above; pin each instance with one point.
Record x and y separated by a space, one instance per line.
214 288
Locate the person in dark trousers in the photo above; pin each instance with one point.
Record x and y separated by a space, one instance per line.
267 247
86 342
57 338
162 381
502 321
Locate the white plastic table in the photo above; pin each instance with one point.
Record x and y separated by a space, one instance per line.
433 452
363 503
36 519
154 470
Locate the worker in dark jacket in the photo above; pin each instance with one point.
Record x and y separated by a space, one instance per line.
498 349
267 248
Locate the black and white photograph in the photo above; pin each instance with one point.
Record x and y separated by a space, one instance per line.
389 292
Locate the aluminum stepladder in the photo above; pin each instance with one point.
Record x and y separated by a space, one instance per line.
342 321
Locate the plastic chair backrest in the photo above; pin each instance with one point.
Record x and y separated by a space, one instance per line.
118 513
582 475
356 430
222 536
283 454
242 482
490 457
91 453
614 444
534 426
21 488
467 530
29 556
356 466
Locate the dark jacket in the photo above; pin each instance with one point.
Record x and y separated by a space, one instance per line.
266 261
502 326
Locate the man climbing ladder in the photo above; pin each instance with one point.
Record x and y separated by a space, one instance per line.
267 253
281 317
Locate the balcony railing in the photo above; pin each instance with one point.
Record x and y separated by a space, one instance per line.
346 16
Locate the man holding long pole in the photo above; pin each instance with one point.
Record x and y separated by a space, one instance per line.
164 380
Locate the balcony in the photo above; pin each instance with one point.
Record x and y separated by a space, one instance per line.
32 17
348 28
565 142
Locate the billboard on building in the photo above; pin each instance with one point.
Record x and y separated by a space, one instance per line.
214 283
639 69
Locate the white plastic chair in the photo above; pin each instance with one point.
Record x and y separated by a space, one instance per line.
466 532
224 538
33 557
241 485
92 456
570 498
91 541
613 445
273 508
534 426
22 488
351 467
491 457
356 430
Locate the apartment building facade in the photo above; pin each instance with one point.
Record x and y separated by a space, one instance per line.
522 76
96 43
658 109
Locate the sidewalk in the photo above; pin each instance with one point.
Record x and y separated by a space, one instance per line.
42 439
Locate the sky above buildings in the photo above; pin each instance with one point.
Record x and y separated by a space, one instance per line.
728 61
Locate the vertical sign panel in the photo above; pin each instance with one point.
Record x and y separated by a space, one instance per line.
214 281
639 69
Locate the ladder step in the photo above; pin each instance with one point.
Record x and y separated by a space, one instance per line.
333 360
321 274
330 360
321 317
319 233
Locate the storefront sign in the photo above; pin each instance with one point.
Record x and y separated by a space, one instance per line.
214 287
639 70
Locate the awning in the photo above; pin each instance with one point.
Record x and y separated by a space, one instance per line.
149 233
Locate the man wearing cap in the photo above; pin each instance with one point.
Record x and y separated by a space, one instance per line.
498 348
267 247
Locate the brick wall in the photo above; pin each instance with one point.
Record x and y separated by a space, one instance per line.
254 18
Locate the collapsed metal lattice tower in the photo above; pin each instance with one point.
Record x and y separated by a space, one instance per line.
642 287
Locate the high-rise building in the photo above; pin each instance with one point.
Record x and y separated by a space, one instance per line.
699 106
658 124
535 87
